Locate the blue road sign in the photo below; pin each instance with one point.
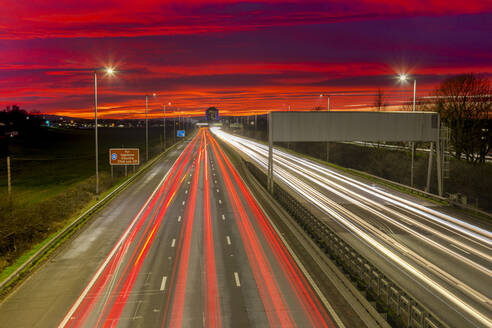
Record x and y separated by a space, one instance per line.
181 133
114 156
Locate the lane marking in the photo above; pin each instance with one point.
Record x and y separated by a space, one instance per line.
139 303
217 190
186 191
163 283
236 277
179 218
188 182
223 217
173 242
215 181
220 202
184 202
228 240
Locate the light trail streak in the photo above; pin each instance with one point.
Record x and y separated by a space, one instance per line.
311 305
277 311
258 153
83 305
212 304
176 319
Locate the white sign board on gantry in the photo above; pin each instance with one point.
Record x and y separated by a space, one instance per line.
352 126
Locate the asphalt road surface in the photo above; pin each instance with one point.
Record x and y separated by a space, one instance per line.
441 259
197 252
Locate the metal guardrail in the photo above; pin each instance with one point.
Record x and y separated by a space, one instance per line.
43 250
401 308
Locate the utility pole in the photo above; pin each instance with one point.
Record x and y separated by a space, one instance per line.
164 119
146 131
9 181
95 121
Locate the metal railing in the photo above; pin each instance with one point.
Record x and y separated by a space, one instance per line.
401 309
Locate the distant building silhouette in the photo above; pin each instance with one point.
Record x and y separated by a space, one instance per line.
212 114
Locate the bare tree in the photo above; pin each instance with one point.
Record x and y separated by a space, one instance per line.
464 103
379 100
421 105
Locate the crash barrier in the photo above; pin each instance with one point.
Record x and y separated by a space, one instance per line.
386 296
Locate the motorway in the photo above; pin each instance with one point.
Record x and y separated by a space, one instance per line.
443 261
190 249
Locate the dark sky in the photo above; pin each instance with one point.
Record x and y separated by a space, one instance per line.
241 56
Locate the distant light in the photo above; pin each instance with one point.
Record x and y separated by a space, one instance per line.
321 95
109 70
154 94
403 77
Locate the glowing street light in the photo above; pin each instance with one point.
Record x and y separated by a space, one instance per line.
110 72
404 78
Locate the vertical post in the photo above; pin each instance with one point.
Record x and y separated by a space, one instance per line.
429 168
328 103
414 93
95 121
256 121
126 170
412 146
270 153
9 181
111 172
438 157
164 119
328 151
146 133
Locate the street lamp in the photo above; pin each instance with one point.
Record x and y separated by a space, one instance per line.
403 78
147 127
164 120
327 96
109 71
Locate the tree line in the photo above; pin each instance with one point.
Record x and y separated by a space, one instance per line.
464 103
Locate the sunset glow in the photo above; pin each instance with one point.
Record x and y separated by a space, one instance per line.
241 57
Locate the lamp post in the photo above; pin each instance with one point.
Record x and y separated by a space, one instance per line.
403 78
147 128
109 71
146 131
328 101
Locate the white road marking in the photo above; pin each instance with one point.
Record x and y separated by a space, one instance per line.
173 242
220 202
186 191
188 182
236 277
228 240
136 310
179 218
215 181
223 217
163 283
184 202
217 190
